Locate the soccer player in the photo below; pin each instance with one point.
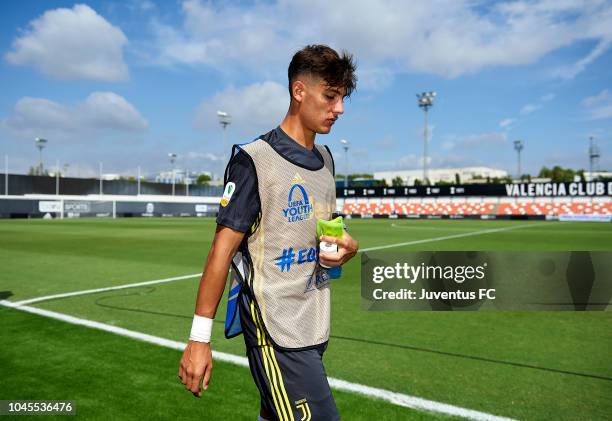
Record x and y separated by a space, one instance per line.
276 188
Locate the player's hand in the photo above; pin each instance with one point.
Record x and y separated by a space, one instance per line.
196 364
347 248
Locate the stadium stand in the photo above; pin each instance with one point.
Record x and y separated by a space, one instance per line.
479 206
563 201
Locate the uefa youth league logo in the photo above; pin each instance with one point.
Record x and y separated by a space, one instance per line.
227 193
299 207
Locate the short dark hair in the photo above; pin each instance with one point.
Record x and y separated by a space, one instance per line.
322 61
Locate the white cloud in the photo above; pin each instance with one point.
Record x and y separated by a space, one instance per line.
375 79
72 43
197 156
107 110
595 100
222 36
598 106
601 112
100 111
445 37
142 5
548 97
570 72
253 108
529 108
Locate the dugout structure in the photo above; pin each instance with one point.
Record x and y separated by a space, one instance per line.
106 206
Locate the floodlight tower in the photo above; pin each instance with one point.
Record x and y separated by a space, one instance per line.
101 183
518 147
225 120
593 157
172 157
345 146
40 144
425 101
6 175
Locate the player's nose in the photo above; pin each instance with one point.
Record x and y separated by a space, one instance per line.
338 107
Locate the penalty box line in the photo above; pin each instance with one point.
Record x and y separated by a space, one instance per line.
450 237
394 398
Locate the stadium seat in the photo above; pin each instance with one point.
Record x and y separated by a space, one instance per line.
479 208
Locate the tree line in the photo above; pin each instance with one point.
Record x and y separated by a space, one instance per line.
556 174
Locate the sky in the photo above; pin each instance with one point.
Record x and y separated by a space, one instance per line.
127 82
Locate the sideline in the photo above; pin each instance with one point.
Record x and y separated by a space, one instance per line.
93 291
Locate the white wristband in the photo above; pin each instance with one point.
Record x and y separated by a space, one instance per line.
201 329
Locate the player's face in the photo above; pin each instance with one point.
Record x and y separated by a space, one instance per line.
321 106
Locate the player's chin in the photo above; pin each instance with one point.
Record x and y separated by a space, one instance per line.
325 128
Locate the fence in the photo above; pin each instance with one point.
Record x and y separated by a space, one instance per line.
114 206
33 184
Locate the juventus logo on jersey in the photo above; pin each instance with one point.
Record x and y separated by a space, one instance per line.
303 406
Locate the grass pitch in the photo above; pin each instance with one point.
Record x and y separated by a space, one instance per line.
547 365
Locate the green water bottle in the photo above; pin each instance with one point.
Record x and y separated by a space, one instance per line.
333 228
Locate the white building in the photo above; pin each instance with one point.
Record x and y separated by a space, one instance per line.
182 177
595 175
443 174
110 176
179 177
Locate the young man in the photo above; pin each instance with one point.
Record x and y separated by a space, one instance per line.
277 187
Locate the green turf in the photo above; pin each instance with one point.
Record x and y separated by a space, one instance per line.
111 377
523 365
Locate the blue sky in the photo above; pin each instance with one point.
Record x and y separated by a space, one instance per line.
127 82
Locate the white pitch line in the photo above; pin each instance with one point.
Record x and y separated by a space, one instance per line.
413 402
395 398
449 237
93 291
176 278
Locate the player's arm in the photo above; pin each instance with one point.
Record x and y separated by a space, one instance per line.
238 210
196 364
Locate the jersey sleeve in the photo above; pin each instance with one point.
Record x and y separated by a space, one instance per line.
240 203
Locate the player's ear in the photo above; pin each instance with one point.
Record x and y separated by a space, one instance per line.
298 89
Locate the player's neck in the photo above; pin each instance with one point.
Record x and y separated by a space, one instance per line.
296 131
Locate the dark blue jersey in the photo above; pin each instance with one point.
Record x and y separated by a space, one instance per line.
241 211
